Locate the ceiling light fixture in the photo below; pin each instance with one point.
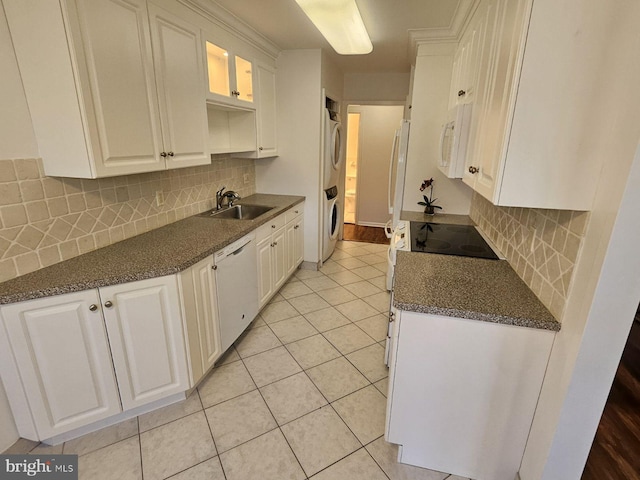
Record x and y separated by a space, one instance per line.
340 23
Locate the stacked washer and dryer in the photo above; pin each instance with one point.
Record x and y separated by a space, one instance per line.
332 162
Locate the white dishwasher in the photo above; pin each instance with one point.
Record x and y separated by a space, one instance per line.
237 286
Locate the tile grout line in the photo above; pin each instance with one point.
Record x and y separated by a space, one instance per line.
278 426
197 392
140 448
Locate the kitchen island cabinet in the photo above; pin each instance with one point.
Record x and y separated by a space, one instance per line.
462 393
469 349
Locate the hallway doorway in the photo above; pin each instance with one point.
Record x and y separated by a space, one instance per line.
370 134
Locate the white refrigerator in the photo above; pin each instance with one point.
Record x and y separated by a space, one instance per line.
397 169
396 230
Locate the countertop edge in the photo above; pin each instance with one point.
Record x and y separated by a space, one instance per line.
483 317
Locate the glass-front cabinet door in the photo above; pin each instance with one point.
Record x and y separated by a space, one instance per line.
244 79
230 77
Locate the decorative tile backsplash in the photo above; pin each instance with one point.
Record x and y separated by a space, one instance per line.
44 220
541 245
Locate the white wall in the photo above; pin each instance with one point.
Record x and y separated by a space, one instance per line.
360 87
17 140
432 81
332 79
296 171
606 288
378 124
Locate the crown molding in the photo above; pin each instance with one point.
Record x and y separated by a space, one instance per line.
226 20
450 34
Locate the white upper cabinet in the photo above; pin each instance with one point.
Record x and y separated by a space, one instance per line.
530 74
229 76
104 99
266 112
464 73
179 72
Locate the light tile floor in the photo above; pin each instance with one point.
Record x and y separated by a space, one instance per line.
302 394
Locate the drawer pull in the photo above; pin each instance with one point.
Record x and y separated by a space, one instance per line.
93 307
108 304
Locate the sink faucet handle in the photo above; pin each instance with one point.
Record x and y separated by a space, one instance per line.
219 197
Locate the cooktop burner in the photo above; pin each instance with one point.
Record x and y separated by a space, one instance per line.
462 240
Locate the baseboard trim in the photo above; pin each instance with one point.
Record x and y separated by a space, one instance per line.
107 422
370 224
310 266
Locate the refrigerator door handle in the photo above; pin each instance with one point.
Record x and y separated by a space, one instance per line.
394 148
388 229
445 128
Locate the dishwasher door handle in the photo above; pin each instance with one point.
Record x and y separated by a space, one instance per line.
238 251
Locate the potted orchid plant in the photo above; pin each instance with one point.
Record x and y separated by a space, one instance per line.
429 201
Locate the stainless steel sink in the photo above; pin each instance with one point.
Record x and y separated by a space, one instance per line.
238 212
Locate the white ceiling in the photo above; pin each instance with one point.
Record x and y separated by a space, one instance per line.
388 23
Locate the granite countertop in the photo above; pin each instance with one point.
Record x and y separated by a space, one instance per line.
463 287
163 251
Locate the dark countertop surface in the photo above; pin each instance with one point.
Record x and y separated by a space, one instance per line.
163 251
471 288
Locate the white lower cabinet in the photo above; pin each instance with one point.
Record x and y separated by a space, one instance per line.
280 246
462 393
144 323
295 238
74 359
200 307
272 258
56 364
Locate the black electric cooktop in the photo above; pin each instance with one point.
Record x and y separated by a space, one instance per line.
461 240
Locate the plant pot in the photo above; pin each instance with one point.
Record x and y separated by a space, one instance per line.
429 210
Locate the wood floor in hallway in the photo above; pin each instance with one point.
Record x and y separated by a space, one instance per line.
358 233
614 453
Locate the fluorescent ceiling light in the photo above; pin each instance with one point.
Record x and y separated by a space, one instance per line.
340 23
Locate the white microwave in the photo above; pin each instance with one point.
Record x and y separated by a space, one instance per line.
453 141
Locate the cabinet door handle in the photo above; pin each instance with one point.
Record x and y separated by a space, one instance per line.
214 267
271 244
273 226
170 154
93 307
260 148
473 170
461 93
163 154
108 304
296 227
275 243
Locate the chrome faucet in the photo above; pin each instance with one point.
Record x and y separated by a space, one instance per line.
231 197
